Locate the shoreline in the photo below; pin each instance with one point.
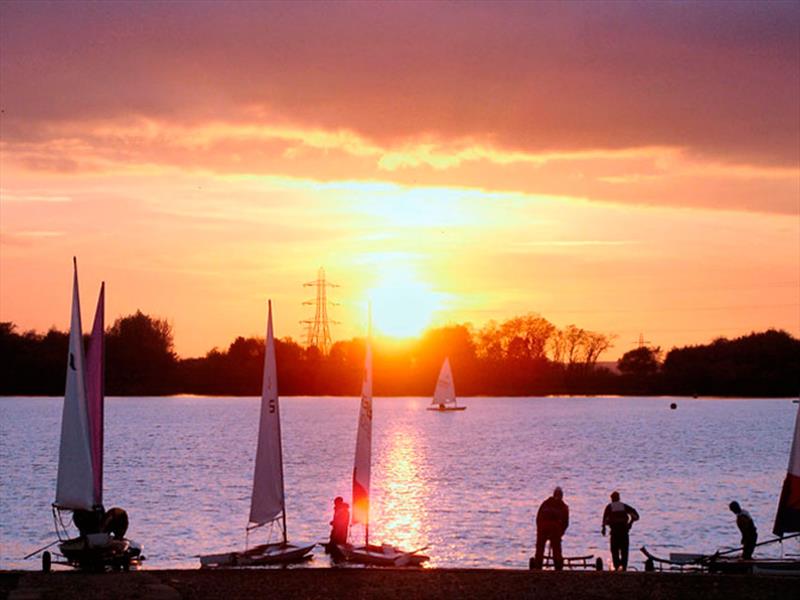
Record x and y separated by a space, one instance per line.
367 583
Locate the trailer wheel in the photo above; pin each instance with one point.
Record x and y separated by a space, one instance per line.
126 564
598 564
47 561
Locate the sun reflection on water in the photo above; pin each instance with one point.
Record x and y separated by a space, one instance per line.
403 514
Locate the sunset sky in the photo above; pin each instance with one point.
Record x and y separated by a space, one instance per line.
627 167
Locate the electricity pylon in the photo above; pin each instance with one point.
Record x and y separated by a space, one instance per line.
319 333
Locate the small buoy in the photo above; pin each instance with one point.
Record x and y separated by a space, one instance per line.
673 406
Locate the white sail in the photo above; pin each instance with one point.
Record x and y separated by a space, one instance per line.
267 501
75 483
445 388
363 458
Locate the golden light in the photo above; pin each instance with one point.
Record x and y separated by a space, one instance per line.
404 518
403 306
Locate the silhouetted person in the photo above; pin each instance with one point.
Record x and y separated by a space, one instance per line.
88 521
340 522
552 521
115 522
747 526
620 518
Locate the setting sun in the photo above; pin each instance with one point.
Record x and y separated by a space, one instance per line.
403 306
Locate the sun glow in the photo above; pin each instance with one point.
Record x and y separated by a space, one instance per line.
403 306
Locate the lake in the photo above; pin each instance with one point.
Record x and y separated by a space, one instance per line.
467 484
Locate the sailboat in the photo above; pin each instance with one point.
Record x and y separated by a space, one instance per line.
444 397
385 554
79 485
268 500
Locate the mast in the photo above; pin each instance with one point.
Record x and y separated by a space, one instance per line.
271 348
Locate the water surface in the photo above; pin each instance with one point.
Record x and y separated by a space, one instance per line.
466 484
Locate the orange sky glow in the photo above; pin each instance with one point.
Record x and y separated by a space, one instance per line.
626 167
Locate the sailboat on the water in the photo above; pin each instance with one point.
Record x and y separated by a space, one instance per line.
444 397
371 554
268 500
79 485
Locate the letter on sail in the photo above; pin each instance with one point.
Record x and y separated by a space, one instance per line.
787 519
75 483
267 501
361 470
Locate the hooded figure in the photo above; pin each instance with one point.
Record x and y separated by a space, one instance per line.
552 521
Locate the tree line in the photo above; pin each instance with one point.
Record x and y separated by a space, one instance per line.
525 355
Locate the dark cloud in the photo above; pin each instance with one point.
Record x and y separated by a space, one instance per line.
720 80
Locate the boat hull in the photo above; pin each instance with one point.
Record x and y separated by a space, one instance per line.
382 556
763 566
263 555
97 552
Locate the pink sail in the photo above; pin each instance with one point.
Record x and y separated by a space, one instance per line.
787 519
95 394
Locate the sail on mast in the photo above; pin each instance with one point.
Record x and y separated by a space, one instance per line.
75 482
787 519
267 501
95 394
445 392
363 457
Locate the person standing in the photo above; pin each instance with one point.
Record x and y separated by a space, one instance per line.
747 526
619 517
552 521
340 523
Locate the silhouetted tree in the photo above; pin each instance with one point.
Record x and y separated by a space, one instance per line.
139 356
639 368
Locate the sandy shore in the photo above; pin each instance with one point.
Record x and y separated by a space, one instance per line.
388 584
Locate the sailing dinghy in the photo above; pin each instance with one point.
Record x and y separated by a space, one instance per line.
384 555
444 397
268 500
79 487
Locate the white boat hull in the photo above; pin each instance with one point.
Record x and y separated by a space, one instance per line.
382 556
265 554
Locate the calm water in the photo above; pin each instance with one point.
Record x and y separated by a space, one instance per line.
467 484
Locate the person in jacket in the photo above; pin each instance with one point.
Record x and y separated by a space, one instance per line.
552 521
619 517
747 526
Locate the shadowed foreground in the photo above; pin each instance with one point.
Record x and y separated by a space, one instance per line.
389 584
